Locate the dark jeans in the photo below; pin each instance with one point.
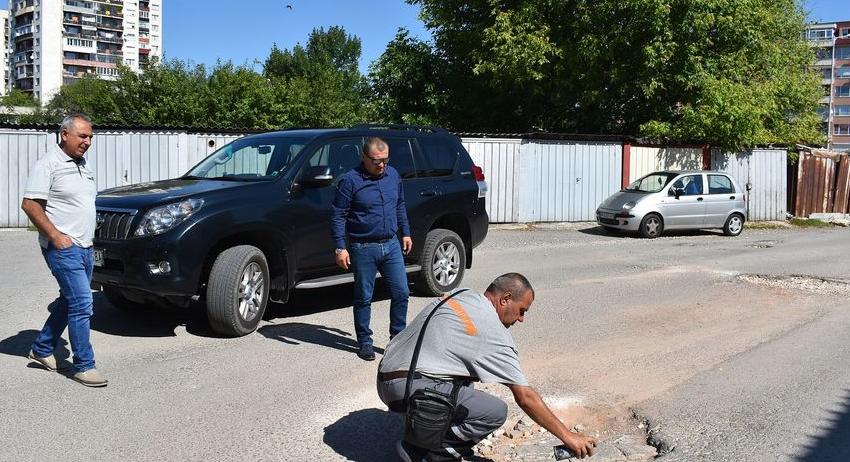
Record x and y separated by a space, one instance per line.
367 258
72 268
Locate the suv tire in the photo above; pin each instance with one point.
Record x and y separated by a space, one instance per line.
443 262
238 290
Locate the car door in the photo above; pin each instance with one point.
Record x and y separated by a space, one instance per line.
720 200
684 206
310 206
417 189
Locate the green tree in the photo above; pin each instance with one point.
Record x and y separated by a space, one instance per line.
730 73
18 98
322 80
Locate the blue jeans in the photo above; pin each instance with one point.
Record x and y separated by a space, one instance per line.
72 268
366 260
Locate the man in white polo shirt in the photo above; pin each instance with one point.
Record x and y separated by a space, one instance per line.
59 200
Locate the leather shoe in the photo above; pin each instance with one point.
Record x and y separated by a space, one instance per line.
48 362
366 353
91 378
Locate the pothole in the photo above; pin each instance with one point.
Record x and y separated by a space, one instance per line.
825 286
764 244
621 436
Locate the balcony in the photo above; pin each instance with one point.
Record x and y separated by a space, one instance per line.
106 39
116 25
80 62
72 6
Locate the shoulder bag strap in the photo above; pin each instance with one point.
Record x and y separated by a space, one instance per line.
412 368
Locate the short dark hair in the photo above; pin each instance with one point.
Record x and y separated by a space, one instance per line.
377 143
514 283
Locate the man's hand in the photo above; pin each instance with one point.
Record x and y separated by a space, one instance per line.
406 244
61 241
531 402
343 260
580 445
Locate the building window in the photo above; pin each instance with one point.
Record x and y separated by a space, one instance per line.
841 129
845 32
842 52
843 72
827 73
843 91
819 34
842 110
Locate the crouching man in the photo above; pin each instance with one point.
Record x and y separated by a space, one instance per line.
466 341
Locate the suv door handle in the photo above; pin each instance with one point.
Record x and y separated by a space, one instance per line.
732 197
427 193
699 198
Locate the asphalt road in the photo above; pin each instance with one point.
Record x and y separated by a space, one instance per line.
725 366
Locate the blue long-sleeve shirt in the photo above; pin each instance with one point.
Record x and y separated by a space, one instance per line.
367 208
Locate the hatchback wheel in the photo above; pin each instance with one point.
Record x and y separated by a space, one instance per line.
443 262
734 225
238 290
651 226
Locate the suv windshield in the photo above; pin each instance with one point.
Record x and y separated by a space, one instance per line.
651 183
250 159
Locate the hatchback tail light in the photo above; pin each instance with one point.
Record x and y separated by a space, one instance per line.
478 173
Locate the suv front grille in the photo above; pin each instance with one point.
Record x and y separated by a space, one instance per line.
113 224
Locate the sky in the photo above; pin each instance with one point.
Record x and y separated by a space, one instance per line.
203 31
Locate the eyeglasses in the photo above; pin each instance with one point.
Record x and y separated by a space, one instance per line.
384 160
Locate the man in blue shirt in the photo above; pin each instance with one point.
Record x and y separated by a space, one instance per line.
368 212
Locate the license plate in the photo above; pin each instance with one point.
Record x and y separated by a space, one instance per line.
98 257
606 215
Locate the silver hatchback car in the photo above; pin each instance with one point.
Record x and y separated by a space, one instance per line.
676 200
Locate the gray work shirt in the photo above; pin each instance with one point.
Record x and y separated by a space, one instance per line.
464 338
69 190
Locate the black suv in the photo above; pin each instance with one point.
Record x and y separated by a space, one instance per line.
252 221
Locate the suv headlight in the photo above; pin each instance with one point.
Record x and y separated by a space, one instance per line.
161 219
629 205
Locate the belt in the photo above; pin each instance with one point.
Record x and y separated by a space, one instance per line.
379 240
387 376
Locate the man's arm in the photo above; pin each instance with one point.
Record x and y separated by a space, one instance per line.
531 402
403 224
339 213
34 208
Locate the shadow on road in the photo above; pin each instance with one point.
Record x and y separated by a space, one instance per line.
20 343
831 442
148 321
295 333
348 435
310 301
600 231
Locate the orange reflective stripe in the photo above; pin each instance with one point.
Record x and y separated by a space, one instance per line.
464 318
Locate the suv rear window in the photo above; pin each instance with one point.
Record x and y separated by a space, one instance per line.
438 158
401 157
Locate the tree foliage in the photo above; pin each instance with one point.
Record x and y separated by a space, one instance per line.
316 85
733 73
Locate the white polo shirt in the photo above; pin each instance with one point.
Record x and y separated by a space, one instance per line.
70 190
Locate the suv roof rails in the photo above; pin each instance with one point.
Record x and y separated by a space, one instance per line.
418 128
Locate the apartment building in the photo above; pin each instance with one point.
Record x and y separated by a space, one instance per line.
4 51
56 42
832 47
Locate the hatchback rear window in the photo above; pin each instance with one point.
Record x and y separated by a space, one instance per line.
720 184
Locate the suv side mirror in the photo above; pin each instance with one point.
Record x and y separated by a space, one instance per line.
316 177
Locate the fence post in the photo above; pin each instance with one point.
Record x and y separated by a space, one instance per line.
627 160
706 157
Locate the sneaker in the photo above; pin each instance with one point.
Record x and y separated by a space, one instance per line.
410 453
48 362
366 353
91 378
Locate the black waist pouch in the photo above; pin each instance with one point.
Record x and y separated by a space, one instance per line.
429 416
